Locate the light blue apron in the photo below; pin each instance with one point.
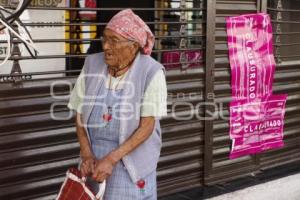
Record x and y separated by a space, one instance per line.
104 139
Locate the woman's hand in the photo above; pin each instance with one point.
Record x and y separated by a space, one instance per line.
87 166
104 168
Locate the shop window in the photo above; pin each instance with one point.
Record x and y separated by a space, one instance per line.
180 37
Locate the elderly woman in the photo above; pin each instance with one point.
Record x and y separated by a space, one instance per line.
119 98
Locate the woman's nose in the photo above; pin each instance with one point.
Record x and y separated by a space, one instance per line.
105 45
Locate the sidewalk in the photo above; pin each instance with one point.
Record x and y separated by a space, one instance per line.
280 183
287 188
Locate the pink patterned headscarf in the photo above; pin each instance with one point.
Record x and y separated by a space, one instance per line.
132 27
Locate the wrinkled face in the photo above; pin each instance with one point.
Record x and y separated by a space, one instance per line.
118 51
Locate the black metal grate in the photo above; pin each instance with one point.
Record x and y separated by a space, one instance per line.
36 150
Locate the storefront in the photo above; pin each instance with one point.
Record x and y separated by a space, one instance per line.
37 134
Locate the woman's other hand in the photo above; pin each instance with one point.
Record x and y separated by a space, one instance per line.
87 166
104 168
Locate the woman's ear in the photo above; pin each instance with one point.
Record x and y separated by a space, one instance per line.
136 47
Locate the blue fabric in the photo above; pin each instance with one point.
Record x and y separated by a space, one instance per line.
104 139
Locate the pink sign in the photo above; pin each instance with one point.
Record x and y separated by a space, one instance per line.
256 115
256 126
171 59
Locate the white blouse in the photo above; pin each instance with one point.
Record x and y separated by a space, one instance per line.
154 101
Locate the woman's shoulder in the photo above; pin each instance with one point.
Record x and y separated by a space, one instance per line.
96 57
151 68
94 62
151 62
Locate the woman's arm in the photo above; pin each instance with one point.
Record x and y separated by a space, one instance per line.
85 149
86 154
141 134
154 106
105 166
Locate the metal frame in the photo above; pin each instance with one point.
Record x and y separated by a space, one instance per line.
26 113
209 84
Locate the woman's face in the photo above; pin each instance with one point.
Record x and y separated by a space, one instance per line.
118 51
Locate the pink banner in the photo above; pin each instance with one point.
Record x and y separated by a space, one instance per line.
256 126
256 115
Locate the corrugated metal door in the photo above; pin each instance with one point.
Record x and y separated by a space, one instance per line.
218 167
286 18
36 149
181 163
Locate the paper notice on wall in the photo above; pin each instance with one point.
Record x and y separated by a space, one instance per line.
256 115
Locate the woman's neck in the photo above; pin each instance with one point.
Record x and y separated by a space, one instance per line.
118 71
115 72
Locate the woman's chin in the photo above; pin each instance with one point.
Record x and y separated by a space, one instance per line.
112 65
110 62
